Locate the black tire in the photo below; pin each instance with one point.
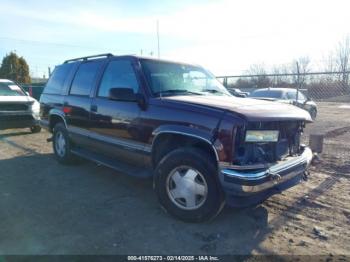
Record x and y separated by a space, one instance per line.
200 161
35 129
313 113
66 157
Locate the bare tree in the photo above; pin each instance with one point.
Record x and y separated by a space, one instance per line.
259 79
280 79
300 66
342 60
328 65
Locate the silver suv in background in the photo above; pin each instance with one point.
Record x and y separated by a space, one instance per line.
17 108
287 95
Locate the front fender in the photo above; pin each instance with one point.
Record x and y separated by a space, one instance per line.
205 136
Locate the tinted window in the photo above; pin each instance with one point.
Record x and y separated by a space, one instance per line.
267 93
292 95
57 79
84 78
118 74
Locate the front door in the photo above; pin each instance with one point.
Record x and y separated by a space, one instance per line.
115 124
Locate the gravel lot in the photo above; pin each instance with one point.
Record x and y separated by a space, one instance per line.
47 208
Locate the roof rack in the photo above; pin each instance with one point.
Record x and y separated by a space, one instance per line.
85 58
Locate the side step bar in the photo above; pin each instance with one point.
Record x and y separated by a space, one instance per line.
113 163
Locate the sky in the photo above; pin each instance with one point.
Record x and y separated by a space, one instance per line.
225 36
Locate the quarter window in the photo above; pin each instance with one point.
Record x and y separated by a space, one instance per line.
57 79
84 78
118 74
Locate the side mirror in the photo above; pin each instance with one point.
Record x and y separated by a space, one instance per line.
128 95
122 94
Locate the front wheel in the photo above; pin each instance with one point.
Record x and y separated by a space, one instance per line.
186 185
313 113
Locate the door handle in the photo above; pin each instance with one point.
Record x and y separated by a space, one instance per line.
93 108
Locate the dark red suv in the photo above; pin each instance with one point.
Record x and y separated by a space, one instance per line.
176 123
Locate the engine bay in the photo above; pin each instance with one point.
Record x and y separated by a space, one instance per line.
252 153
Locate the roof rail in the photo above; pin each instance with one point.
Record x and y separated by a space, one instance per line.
85 58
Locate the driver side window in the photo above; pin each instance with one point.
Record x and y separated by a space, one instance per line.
118 74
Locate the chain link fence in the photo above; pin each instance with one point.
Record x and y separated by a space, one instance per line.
319 86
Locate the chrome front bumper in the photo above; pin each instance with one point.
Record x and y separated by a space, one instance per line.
245 182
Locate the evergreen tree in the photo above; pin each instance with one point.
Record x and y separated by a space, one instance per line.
15 68
23 71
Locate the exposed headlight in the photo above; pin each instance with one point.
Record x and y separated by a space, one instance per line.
261 136
36 107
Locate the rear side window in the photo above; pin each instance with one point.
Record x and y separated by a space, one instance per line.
292 95
267 93
85 78
57 79
118 74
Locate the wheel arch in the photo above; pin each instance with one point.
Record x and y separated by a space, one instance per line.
167 139
56 116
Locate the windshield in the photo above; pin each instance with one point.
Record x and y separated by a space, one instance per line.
169 79
9 88
267 94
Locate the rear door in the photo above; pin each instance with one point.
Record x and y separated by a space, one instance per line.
115 124
55 90
78 101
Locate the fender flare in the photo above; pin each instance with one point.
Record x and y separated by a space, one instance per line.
185 131
59 113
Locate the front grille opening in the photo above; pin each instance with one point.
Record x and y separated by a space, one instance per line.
288 144
13 107
10 118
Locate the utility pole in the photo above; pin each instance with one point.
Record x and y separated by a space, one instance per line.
158 38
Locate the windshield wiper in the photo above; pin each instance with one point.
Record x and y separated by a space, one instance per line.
213 91
176 91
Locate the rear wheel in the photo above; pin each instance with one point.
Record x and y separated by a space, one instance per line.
62 145
186 185
35 129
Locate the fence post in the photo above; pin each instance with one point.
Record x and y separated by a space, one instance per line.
298 85
225 82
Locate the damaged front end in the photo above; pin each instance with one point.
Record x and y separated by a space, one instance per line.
268 157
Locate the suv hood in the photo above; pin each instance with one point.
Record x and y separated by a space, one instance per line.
247 108
17 99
